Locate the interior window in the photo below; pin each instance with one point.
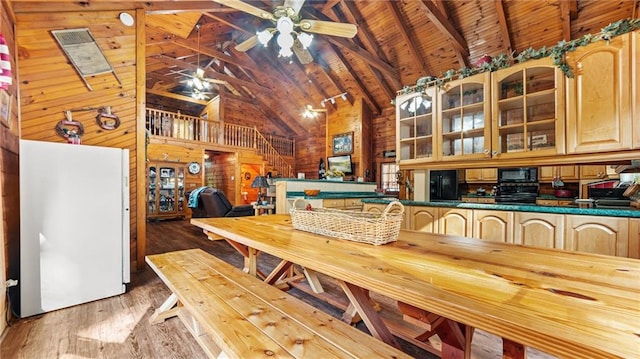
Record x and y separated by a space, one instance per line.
388 179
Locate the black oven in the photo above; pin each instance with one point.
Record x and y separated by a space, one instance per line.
518 175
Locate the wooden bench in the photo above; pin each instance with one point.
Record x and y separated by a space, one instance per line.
232 314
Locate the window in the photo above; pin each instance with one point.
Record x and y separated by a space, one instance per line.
388 178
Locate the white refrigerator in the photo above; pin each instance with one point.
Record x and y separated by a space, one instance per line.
74 224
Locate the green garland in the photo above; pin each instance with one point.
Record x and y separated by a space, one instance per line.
557 53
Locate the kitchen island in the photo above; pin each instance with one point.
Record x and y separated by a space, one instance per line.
610 231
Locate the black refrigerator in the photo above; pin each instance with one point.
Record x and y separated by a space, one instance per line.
443 185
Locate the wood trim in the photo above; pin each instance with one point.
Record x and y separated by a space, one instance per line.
141 221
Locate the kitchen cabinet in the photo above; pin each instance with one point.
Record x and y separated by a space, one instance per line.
415 125
165 190
635 90
566 173
634 238
337 203
424 219
596 234
455 221
599 97
353 204
463 118
379 208
539 229
528 110
593 172
495 226
481 175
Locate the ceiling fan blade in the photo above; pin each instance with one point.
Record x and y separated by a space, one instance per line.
296 5
247 44
329 28
249 9
303 55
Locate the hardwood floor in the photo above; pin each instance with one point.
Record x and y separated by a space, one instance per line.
118 327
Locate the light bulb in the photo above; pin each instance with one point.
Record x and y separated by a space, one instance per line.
197 83
322 103
264 36
344 96
285 25
305 39
190 83
285 40
333 100
285 52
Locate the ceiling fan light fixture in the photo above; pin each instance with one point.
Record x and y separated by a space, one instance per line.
264 36
344 96
285 41
305 39
284 25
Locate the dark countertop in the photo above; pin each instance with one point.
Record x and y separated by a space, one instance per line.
607 212
331 195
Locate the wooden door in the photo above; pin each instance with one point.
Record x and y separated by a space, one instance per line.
455 221
594 234
495 226
539 229
599 97
424 219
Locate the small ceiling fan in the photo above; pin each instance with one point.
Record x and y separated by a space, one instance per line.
287 23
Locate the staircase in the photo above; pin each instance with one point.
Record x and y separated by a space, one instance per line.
275 150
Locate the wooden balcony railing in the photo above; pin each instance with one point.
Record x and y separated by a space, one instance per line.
272 148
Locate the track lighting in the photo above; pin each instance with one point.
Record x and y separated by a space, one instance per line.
332 99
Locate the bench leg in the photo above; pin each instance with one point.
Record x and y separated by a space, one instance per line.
360 300
313 280
512 350
167 310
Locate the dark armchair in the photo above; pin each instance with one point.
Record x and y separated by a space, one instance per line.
212 202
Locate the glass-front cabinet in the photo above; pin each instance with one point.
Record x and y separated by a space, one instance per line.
415 114
165 192
528 116
464 121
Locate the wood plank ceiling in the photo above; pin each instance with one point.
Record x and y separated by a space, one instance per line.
397 43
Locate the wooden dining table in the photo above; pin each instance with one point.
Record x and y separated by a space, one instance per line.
568 304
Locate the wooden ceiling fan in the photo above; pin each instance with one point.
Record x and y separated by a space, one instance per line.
292 31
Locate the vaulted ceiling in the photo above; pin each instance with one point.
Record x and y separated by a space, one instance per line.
397 42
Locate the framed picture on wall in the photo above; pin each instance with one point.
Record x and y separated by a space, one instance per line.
343 144
5 108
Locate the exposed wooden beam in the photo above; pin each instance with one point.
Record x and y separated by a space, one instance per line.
362 89
568 12
445 26
504 30
368 40
364 55
193 45
230 79
394 12
462 59
224 20
176 96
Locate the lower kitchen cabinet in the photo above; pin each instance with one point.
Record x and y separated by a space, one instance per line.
634 238
495 226
594 234
424 219
379 208
539 229
455 221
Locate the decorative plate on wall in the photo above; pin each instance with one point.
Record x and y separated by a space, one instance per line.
247 175
194 168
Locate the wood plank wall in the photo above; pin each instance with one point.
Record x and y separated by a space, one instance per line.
49 85
9 180
383 138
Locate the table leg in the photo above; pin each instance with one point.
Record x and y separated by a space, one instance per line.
360 300
512 350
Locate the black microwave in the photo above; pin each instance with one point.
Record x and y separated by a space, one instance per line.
518 175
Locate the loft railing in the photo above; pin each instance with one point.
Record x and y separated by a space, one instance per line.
184 127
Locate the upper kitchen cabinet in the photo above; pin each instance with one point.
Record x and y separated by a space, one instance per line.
463 118
528 110
415 114
599 97
635 91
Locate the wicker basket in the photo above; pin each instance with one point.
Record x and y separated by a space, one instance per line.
366 227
